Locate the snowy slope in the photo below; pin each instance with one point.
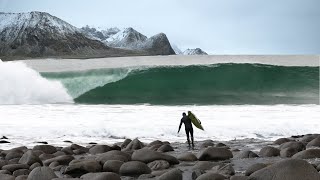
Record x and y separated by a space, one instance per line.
13 24
41 34
196 51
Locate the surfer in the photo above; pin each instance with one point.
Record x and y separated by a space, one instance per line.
188 128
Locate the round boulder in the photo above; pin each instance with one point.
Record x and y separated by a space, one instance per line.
158 165
253 168
307 154
112 166
48 149
288 152
269 151
98 149
290 169
41 173
134 168
281 141
165 148
147 155
188 156
174 174
214 153
299 146
77 169
314 143
29 158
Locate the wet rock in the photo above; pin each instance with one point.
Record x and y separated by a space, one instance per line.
147 155
48 149
125 143
4 142
80 168
214 153
211 176
156 142
116 147
291 169
155 147
21 172
101 176
188 156
269 151
288 152
13 155
253 168
13 167
62 160
41 173
158 165
174 174
134 168
98 149
307 154
247 154
314 143
309 137
165 148
281 141
112 166
67 150
223 169
34 165
29 158
134 145
6 177
113 155
299 146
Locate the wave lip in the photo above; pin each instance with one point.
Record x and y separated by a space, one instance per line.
20 84
213 84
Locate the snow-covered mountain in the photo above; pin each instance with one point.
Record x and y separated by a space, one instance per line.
129 38
196 51
41 34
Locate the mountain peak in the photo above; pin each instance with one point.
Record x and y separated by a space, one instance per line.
196 51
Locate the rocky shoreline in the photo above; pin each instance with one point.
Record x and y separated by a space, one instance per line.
292 158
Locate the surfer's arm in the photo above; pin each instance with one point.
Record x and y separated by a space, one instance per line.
180 126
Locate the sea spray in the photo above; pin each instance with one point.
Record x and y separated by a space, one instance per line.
20 84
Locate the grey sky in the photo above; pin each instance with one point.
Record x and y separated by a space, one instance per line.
216 26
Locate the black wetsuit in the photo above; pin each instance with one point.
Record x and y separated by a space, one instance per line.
188 127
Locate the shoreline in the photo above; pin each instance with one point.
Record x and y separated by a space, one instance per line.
133 159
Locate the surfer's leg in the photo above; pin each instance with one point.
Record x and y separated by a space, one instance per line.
188 139
191 133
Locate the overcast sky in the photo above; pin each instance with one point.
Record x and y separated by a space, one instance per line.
216 26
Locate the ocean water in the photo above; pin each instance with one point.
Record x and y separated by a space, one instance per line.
105 102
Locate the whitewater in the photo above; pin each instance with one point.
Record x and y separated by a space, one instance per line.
39 100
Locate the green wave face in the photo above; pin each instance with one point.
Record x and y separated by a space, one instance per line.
215 84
